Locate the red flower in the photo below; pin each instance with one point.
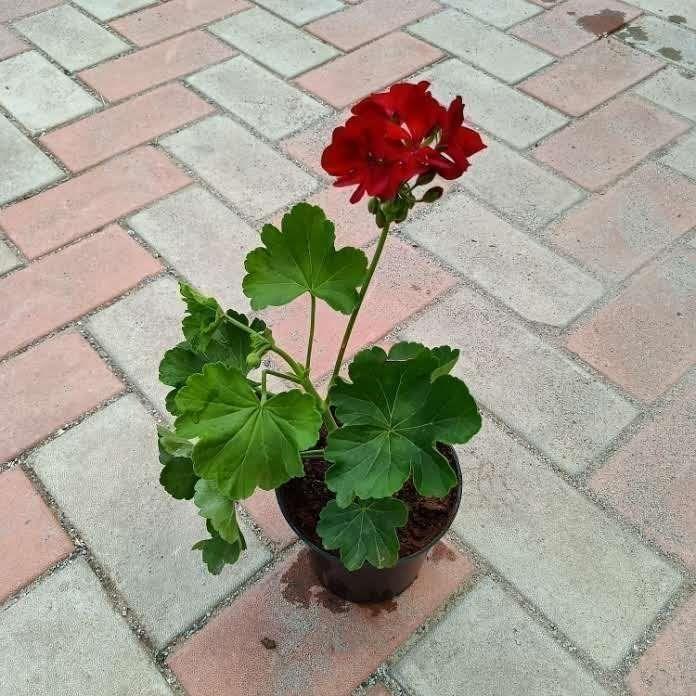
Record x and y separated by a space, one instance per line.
396 135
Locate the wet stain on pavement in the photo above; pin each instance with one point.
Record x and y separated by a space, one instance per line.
677 19
634 33
602 23
671 53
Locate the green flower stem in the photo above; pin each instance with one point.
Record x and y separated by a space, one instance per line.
283 375
361 298
312 453
310 342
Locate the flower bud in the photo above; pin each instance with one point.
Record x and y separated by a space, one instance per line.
253 360
425 178
433 194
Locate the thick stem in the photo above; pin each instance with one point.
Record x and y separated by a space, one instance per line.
361 298
310 341
283 375
312 453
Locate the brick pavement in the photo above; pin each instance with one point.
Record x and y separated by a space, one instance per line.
144 140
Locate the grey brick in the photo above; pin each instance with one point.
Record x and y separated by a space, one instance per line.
664 39
682 157
498 53
488 646
64 638
136 330
672 89
501 110
507 263
23 167
104 475
501 13
683 11
559 407
597 582
256 179
273 42
528 194
203 239
38 94
264 101
108 9
301 11
70 38
8 260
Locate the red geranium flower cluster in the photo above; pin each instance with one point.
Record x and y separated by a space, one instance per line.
396 135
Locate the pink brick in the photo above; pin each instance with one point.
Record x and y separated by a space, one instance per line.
47 387
668 668
130 123
603 145
136 72
12 9
263 507
10 43
163 21
90 201
645 339
652 479
574 24
591 76
406 281
324 646
369 20
617 232
31 540
62 287
378 690
370 68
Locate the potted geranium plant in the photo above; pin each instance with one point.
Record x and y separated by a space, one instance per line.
366 476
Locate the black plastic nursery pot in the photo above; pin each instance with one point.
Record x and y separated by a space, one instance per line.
370 584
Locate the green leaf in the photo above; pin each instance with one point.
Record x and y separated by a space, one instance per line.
218 509
177 475
302 258
364 531
217 552
203 316
244 442
445 356
392 416
179 363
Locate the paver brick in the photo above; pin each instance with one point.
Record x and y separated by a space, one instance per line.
8 259
38 94
108 486
574 24
119 128
12 9
502 14
675 11
167 19
10 43
31 540
652 479
668 668
149 67
604 144
137 330
70 38
64 638
203 239
500 109
682 157
617 232
645 339
483 46
257 179
672 89
324 646
301 11
108 9
600 584
274 43
258 97
507 263
89 201
559 407
407 282
61 287
368 69
378 690
664 39
263 507
72 380
23 168
492 648
369 20
591 76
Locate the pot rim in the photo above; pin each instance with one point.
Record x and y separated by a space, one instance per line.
329 556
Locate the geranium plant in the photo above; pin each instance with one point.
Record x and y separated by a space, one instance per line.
377 431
